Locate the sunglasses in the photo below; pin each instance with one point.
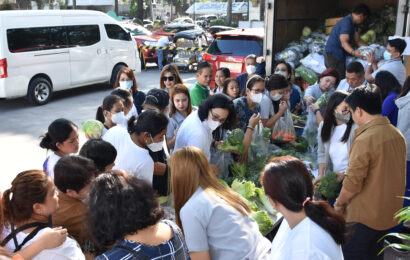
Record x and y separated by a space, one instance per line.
171 78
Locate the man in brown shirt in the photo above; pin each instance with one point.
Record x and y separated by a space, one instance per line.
73 176
375 177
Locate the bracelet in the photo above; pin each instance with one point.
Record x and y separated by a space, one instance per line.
316 110
352 52
250 127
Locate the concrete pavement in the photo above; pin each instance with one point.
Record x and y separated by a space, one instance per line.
22 124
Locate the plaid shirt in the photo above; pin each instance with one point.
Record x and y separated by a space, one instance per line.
173 249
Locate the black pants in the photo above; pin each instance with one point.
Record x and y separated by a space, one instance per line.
362 243
339 65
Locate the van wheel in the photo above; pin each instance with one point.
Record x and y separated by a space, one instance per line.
39 91
114 74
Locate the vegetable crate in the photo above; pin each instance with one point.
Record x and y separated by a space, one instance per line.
330 22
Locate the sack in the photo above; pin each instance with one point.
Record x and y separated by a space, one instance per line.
284 131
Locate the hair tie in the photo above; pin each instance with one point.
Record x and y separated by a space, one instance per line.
306 200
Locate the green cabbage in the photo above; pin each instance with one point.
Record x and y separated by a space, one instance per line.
92 128
245 188
306 31
265 223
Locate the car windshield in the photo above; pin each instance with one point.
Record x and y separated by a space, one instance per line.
236 46
136 30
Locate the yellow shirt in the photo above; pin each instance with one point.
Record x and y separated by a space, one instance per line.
376 174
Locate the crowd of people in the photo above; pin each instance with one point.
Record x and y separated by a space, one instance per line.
103 203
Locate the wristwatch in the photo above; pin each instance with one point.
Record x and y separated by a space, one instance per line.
369 64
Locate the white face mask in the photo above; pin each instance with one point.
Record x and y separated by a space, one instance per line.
155 147
281 72
212 124
118 118
126 84
256 98
275 97
251 69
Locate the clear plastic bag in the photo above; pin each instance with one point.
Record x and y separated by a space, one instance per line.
284 130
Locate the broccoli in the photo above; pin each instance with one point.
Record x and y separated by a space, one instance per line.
245 188
264 200
324 98
328 185
92 128
234 142
265 223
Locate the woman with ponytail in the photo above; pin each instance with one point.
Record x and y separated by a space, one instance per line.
62 139
146 131
111 112
310 229
27 207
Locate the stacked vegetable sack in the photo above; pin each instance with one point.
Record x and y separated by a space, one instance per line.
306 54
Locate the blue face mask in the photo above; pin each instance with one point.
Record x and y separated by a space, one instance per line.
126 84
386 55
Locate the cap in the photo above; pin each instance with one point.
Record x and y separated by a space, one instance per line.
157 97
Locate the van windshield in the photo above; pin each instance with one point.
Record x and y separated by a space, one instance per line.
236 46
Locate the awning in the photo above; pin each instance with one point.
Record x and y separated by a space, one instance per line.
217 8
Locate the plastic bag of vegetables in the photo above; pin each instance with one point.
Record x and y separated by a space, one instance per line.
315 62
284 130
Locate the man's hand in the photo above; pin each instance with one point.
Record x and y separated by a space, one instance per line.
283 106
260 59
254 120
309 100
340 176
313 107
357 54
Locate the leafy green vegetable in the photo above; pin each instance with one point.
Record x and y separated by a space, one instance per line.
302 118
245 188
265 223
324 98
307 74
238 170
234 142
266 134
264 200
306 31
93 128
328 185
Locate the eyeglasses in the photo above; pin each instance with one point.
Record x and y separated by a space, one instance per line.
171 78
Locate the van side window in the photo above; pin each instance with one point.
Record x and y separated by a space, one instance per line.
83 35
116 32
36 39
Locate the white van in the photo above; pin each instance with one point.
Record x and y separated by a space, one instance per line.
51 50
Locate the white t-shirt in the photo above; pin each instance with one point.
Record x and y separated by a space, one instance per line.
338 151
210 223
69 250
163 41
130 157
266 105
306 241
344 86
193 132
52 161
396 68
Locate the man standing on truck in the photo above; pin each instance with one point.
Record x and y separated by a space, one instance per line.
338 44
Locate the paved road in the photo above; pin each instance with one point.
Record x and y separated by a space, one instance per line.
22 125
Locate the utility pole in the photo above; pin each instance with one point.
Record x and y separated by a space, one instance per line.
74 4
247 9
116 7
194 11
229 12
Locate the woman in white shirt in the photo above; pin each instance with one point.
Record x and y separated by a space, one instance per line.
128 101
335 136
311 230
28 205
216 222
196 130
111 112
181 107
61 138
146 131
